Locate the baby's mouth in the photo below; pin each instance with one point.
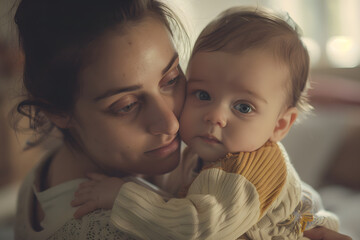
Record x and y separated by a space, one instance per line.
210 139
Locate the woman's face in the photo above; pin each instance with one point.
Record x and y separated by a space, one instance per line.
132 94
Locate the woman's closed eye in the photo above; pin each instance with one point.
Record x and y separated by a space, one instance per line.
243 108
172 81
120 109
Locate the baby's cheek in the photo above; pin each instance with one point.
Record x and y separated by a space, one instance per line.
236 142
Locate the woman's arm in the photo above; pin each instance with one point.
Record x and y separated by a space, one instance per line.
322 233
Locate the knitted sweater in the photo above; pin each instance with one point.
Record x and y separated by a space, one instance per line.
296 209
257 193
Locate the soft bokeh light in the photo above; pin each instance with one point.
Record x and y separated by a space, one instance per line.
343 51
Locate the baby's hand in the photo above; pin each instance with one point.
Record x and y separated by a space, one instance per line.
99 192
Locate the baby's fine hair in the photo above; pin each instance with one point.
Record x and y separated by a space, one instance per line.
242 28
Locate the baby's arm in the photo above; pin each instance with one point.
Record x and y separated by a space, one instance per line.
220 204
99 192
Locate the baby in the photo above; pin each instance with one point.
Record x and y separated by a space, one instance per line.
247 80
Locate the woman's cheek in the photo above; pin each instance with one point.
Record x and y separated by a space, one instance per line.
179 100
186 123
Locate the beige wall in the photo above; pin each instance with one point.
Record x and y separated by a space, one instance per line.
14 163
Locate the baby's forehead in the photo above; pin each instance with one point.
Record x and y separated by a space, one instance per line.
252 71
248 65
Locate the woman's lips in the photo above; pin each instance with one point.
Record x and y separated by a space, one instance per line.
166 150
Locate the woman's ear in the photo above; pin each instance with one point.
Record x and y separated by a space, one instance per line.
284 123
59 120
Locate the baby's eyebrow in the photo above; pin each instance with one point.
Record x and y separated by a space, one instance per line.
254 94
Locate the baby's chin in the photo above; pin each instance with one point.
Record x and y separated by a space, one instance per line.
205 151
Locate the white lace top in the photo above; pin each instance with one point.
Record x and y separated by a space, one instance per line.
59 222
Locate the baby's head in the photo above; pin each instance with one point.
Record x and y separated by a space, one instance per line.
247 79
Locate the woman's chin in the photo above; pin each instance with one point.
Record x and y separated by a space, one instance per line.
162 166
170 164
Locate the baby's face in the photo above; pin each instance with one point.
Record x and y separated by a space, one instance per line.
233 102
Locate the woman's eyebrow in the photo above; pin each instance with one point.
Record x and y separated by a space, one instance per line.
135 87
171 63
117 91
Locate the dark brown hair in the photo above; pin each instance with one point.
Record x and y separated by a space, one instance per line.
241 28
57 36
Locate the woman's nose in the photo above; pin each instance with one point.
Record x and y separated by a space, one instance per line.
162 119
216 116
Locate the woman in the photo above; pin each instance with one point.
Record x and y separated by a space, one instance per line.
107 75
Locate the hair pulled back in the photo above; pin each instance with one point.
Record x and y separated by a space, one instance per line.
56 37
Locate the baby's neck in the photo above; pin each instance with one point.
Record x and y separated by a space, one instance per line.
206 164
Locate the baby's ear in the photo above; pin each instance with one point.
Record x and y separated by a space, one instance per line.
284 123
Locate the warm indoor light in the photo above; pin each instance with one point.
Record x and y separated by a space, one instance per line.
343 51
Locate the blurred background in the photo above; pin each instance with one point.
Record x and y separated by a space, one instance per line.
324 146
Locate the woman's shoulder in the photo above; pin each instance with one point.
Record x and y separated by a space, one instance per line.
54 202
64 166
24 211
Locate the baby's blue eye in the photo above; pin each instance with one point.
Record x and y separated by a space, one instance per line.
243 108
202 95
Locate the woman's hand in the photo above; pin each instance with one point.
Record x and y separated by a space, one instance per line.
322 233
99 192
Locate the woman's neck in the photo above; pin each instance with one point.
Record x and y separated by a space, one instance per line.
67 165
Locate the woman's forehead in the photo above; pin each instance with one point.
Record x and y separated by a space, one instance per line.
141 53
